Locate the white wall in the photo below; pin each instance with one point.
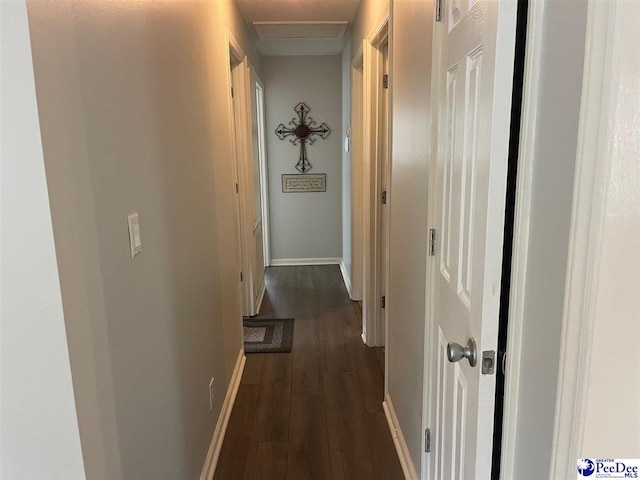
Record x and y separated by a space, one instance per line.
411 134
39 436
346 159
370 14
134 113
304 225
612 416
558 105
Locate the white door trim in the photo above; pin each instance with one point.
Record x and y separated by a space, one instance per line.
587 231
429 369
357 242
387 280
520 253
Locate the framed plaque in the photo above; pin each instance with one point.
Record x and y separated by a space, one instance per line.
309 182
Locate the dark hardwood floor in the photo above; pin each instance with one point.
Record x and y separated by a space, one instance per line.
314 413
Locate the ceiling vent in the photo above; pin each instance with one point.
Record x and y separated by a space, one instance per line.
299 30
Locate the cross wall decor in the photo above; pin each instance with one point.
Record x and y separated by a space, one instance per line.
303 129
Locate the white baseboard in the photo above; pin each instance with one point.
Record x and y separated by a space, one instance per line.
263 288
290 262
345 276
223 420
398 440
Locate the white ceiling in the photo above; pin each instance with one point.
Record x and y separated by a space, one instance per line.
299 27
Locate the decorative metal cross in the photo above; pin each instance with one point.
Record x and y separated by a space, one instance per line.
303 129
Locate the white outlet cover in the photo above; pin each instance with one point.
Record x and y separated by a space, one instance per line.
134 234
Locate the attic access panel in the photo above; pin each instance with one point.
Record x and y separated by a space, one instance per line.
293 30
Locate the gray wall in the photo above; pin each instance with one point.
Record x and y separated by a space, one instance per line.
39 436
553 172
346 158
411 140
134 113
304 225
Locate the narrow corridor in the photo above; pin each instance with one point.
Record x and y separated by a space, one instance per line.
314 413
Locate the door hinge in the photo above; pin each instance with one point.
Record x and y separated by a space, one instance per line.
427 440
241 276
383 302
237 187
432 242
384 197
231 92
439 10
385 80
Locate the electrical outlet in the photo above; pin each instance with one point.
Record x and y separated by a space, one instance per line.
211 394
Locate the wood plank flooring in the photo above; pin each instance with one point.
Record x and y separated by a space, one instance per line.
314 413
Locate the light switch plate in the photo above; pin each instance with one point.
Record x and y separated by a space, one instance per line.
134 234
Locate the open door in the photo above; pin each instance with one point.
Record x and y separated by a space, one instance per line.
260 216
247 181
473 74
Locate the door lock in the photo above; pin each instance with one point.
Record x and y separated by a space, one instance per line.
488 362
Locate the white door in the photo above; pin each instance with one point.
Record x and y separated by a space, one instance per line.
474 47
241 100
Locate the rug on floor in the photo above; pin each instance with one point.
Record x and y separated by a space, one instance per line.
272 335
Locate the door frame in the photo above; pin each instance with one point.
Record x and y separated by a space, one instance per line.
428 365
586 232
588 222
520 252
357 179
373 318
264 171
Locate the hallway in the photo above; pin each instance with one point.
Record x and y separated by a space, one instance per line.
315 412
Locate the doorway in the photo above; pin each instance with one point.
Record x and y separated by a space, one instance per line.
263 171
372 171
